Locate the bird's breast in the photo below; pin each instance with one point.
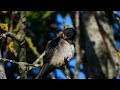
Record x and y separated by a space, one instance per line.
63 50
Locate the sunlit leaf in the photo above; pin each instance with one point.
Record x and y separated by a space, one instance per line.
47 14
118 53
13 47
4 12
28 13
16 28
16 12
10 46
4 26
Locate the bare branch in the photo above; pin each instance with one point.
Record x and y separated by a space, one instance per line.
52 75
18 63
12 35
39 59
68 77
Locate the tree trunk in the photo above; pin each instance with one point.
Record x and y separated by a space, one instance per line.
2 69
77 44
99 45
22 53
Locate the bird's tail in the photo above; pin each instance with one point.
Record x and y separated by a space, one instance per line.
46 69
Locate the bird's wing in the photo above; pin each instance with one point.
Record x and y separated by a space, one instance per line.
50 49
49 52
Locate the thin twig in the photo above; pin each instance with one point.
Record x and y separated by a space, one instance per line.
52 75
18 63
39 59
68 77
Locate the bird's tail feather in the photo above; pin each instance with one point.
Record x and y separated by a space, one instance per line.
46 69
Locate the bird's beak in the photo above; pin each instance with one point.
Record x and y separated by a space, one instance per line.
60 33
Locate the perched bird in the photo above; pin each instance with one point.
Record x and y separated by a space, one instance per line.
58 52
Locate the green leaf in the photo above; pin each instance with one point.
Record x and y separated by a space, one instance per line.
4 12
47 14
28 13
32 15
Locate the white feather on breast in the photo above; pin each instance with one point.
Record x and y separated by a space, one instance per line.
65 50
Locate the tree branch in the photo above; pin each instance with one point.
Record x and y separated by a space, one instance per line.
12 35
18 63
39 59
22 65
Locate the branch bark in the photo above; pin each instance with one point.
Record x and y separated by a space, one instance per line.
77 44
2 69
99 45
18 63
21 37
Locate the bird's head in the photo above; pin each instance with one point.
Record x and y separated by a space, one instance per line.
68 33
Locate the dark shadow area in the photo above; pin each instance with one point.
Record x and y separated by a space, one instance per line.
105 36
91 62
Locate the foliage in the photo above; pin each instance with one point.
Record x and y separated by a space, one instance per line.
41 26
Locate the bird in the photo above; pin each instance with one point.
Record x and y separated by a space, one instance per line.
58 52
